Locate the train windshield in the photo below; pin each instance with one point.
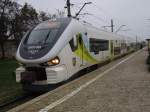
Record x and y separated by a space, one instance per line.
42 34
42 38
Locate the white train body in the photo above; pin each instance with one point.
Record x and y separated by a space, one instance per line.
65 47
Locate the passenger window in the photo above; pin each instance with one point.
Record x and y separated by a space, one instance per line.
97 45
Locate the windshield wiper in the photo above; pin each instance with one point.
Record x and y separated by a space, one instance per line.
47 37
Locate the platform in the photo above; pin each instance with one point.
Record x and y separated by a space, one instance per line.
121 86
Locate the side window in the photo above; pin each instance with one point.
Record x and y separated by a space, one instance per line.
97 45
73 43
123 45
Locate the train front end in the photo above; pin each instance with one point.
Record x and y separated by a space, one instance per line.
39 56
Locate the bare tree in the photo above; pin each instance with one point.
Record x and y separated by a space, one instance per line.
5 15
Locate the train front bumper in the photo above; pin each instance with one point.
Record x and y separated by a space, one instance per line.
54 75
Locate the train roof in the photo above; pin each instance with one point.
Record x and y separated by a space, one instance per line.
103 33
92 29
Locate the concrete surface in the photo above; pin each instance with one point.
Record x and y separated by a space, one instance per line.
123 89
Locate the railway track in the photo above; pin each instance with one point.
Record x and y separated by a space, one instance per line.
22 98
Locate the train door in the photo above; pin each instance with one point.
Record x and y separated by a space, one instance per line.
84 47
111 48
74 46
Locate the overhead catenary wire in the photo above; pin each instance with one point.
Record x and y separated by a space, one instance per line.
106 12
75 5
97 16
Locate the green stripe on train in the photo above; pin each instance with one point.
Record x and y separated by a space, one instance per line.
82 51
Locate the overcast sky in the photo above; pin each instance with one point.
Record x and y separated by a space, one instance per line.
132 13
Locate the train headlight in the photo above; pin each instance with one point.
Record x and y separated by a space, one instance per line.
54 61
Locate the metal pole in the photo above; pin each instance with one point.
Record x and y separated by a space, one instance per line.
112 25
68 8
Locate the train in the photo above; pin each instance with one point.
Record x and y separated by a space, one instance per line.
54 50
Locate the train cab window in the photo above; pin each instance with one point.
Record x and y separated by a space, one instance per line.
73 43
41 36
47 32
97 45
44 33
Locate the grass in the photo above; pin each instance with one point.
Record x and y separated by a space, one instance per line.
8 86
